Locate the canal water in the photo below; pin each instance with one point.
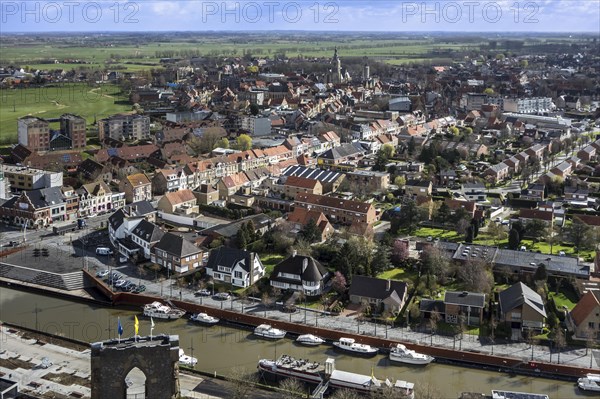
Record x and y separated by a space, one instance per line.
220 349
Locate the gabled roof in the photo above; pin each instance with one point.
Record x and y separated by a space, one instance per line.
324 176
588 303
371 287
180 196
148 232
313 272
465 298
45 197
229 257
518 295
140 208
176 245
302 182
138 179
343 151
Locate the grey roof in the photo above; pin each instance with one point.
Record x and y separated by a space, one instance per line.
148 232
314 271
466 252
116 219
176 245
45 197
565 265
140 208
342 151
229 257
230 229
324 176
465 298
519 294
371 287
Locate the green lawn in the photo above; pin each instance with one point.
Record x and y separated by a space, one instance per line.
53 101
399 274
269 261
447 235
563 299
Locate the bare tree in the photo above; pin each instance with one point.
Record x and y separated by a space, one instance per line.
242 382
476 276
291 388
559 340
434 318
267 301
426 390
345 394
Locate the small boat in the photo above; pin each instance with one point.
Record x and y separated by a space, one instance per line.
266 331
591 383
204 319
186 360
289 367
310 340
350 345
159 311
402 354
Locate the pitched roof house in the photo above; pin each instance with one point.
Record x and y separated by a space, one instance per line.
388 294
174 253
521 308
238 267
300 273
182 200
584 319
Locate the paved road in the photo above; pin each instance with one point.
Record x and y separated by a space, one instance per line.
523 351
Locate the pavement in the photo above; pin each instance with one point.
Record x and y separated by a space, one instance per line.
519 350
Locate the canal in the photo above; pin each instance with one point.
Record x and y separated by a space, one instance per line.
220 349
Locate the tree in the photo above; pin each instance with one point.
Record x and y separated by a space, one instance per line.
443 215
514 239
541 274
408 218
434 318
242 382
411 146
387 150
454 130
338 282
242 237
536 229
345 394
400 181
222 143
310 232
254 109
462 225
497 232
399 252
489 91
381 260
475 276
244 142
435 263
578 233
469 234
291 388
206 143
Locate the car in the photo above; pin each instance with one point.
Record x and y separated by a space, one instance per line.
498 220
222 296
202 292
139 289
562 253
430 238
130 288
120 283
127 284
102 273
13 244
289 308
105 251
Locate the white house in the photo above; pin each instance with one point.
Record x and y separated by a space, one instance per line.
238 267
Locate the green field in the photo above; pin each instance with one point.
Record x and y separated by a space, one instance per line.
52 101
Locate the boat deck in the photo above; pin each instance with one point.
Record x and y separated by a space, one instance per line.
289 362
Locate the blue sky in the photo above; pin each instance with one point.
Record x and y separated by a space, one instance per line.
317 15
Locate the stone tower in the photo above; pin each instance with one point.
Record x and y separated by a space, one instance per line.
336 73
157 358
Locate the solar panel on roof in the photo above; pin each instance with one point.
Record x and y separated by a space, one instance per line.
112 152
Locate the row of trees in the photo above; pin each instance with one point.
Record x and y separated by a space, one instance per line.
581 235
216 137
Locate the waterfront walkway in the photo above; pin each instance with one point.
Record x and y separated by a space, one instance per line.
579 357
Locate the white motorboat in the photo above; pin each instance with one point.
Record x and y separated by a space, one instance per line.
402 354
310 340
159 311
186 360
204 319
590 382
266 331
350 345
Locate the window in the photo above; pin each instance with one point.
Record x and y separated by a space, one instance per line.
591 325
238 275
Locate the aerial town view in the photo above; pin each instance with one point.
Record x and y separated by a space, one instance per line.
300 199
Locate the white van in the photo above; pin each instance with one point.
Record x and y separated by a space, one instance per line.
104 251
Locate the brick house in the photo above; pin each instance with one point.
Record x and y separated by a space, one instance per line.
338 210
584 319
175 253
136 187
521 308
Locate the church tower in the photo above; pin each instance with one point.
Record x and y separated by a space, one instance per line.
336 74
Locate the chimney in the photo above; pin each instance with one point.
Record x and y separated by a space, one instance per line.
304 264
388 285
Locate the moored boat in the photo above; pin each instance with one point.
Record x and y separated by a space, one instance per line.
368 383
289 367
402 354
310 340
350 345
267 331
590 383
159 311
186 360
204 319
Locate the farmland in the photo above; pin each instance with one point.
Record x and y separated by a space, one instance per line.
55 100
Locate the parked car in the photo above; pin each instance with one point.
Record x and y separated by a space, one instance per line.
105 251
120 283
222 296
102 273
202 292
139 289
131 287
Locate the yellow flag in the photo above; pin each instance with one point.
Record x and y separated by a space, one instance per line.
137 325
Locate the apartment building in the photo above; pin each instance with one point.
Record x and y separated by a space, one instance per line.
25 178
73 127
124 127
34 133
338 210
136 187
